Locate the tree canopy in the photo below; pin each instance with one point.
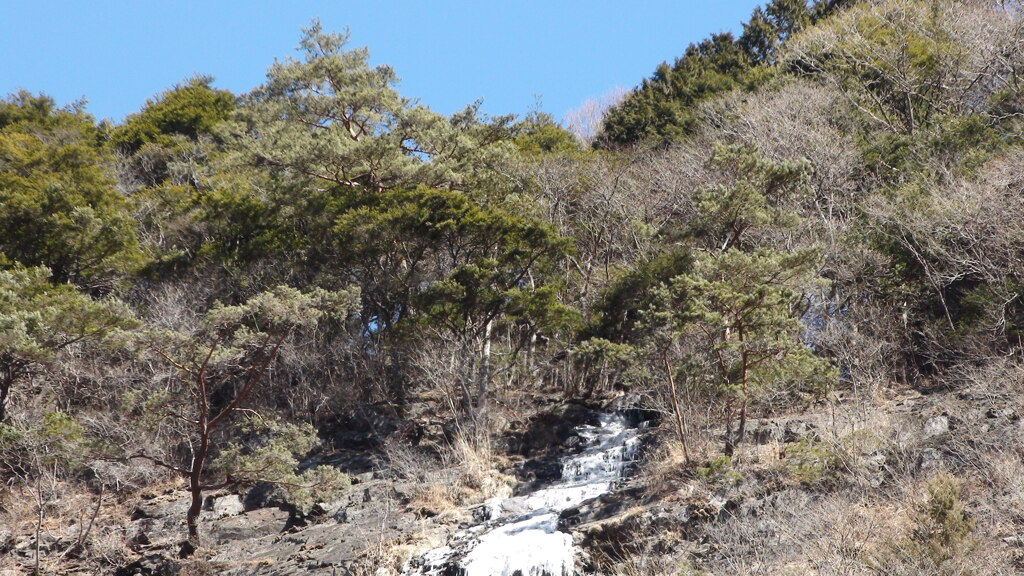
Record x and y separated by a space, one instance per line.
59 206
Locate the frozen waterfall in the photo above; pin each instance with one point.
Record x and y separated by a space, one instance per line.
520 536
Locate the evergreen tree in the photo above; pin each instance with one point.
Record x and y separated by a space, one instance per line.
191 110
333 119
220 363
663 108
58 206
742 319
40 320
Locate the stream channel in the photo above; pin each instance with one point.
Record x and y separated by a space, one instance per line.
519 536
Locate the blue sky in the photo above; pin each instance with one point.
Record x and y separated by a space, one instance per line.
448 53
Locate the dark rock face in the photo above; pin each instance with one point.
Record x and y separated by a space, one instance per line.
781 431
614 526
248 526
152 565
539 471
601 508
266 541
333 543
547 438
552 435
265 495
551 431
368 431
632 407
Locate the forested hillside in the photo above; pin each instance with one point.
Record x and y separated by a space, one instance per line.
800 249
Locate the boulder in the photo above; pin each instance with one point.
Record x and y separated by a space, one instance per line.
6 539
931 460
248 526
936 426
228 505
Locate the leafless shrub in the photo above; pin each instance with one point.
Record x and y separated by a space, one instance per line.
795 121
965 233
585 122
648 559
459 473
862 52
800 533
612 206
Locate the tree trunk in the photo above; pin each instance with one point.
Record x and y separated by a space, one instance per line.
40 511
484 377
680 421
12 370
195 484
742 429
466 377
396 380
744 375
5 389
730 443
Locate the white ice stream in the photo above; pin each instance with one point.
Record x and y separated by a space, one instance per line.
520 536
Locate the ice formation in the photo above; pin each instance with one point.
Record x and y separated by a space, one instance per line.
520 536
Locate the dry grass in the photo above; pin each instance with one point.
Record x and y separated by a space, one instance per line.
76 528
866 519
452 478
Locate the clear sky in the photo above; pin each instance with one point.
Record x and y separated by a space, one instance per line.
448 53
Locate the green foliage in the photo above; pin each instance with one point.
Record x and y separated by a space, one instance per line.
739 303
192 109
769 27
751 201
56 445
273 313
599 350
711 278
333 119
147 407
942 528
664 107
233 221
540 135
219 363
958 143
942 539
172 141
23 112
957 286
619 313
239 225
58 206
903 64
231 348
39 320
64 438
747 308
811 463
719 471
270 451
440 257
740 320
12 444
602 364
